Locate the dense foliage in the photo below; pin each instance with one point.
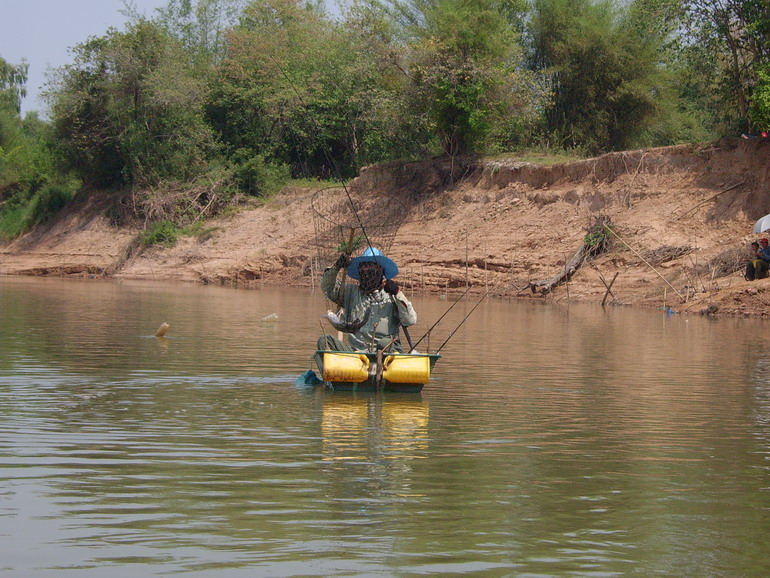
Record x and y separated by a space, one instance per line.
228 97
31 188
129 110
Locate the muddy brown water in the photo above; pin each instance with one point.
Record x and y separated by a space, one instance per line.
551 440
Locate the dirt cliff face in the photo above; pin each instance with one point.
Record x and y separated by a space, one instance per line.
681 221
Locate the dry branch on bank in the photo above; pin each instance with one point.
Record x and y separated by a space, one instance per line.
594 243
712 197
183 206
665 254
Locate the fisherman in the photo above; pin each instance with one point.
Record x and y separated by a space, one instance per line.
759 260
374 309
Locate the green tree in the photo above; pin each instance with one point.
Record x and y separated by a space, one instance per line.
201 27
464 62
298 89
604 70
258 99
383 125
13 84
26 163
31 190
129 110
726 44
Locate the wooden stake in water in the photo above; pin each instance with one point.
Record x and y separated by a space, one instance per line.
566 276
466 259
161 332
312 274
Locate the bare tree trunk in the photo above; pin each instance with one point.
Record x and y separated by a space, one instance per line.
566 273
594 243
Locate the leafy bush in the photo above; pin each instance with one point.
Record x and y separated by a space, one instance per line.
13 220
47 203
129 110
256 176
26 161
760 109
19 214
164 233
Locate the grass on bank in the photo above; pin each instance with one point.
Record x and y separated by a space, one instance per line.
168 233
19 215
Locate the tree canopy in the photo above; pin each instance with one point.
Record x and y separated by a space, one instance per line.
255 91
129 110
13 83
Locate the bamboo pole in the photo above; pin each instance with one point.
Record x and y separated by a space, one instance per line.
645 261
609 287
730 188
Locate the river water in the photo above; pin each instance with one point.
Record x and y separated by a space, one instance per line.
551 441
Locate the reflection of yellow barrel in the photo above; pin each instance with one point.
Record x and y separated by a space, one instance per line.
348 367
406 428
405 417
344 426
406 369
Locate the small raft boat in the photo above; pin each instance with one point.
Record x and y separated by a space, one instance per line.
363 371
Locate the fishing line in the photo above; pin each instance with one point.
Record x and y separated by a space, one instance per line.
432 327
328 157
463 321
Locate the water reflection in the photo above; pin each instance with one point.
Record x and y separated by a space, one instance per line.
361 427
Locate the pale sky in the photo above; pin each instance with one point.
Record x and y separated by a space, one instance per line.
43 31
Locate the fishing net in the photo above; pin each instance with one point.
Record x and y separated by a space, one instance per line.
338 215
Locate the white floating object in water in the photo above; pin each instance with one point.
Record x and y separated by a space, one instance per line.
271 317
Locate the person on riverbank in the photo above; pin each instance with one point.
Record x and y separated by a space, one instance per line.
375 308
759 260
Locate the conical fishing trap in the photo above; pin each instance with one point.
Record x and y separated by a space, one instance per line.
346 219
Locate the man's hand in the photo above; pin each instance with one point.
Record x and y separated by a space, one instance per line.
342 262
391 287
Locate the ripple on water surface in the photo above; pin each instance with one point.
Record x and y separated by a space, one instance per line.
549 441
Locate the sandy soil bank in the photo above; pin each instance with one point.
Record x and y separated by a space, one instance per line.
682 216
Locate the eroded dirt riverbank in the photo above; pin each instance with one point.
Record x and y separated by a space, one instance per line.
682 217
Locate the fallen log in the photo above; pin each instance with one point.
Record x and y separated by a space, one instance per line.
548 285
594 243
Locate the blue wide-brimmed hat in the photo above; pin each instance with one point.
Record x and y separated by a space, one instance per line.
374 255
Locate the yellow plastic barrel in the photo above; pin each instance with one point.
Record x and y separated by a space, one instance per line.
406 369
349 367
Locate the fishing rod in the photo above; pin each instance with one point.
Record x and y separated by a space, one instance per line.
463 321
440 318
347 192
328 157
